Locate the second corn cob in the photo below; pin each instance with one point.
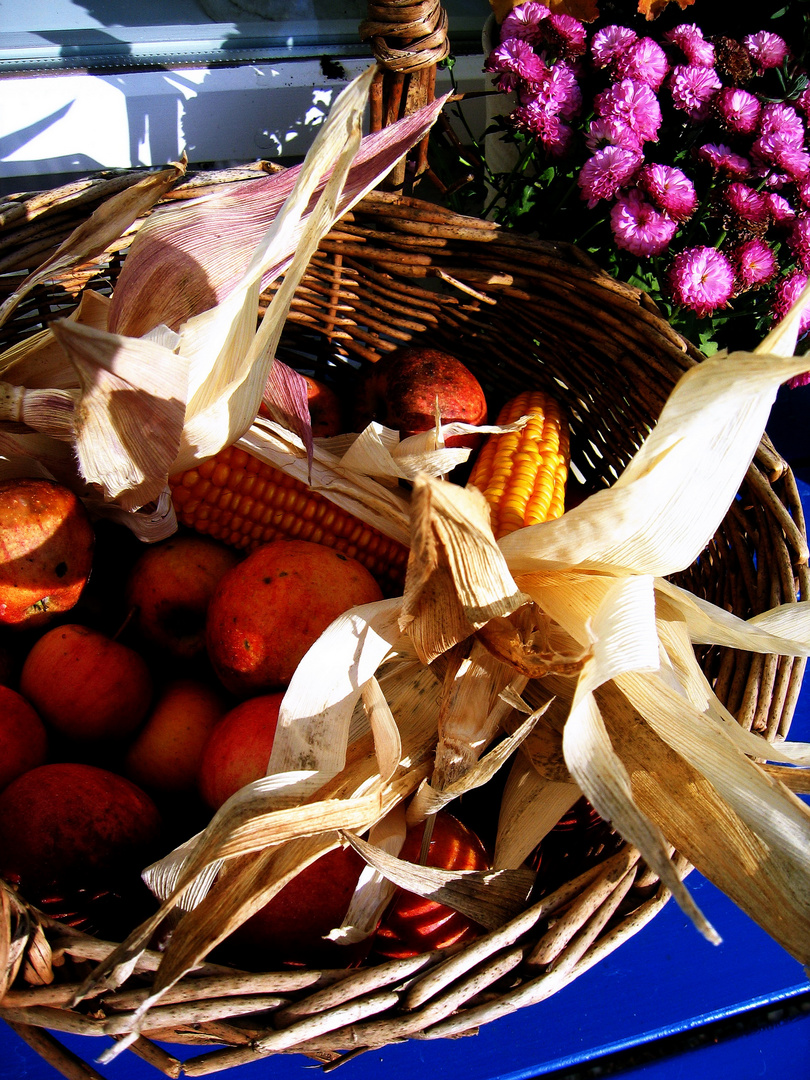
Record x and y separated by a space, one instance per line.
523 473
244 502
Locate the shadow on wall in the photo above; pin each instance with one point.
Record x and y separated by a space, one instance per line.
139 115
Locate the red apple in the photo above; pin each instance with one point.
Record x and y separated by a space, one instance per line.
401 390
413 924
292 927
46 550
238 748
61 824
269 609
167 750
86 685
23 740
169 589
325 409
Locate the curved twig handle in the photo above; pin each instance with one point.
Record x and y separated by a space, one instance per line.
408 40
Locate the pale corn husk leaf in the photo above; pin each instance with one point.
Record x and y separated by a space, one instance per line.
707 831
207 263
377 451
130 417
680 667
530 807
489 897
457 577
39 362
104 226
429 800
782 630
604 780
316 711
382 507
666 506
374 891
285 398
384 730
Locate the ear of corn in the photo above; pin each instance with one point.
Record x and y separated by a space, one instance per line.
523 473
244 502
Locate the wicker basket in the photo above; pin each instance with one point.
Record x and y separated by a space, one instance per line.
519 313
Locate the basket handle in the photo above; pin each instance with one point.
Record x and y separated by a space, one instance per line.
408 39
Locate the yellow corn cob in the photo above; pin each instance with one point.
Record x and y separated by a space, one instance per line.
522 473
244 502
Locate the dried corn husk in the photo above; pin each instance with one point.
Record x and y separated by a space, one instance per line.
213 363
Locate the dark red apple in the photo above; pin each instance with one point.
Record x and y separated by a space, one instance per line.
169 589
23 740
46 550
62 824
413 924
85 684
237 749
402 388
292 927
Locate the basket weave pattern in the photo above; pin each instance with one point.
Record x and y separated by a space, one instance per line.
519 313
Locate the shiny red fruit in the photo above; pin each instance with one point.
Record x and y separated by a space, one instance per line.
413 924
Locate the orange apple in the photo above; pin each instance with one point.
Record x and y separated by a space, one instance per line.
401 390
292 927
62 824
85 684
169 589
238 748
269 609
166 752
413 924
23 740
46 550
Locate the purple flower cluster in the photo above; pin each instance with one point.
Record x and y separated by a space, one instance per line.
728 204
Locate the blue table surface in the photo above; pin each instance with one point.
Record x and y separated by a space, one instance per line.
667 980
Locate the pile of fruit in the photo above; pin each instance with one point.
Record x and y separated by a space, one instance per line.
141 689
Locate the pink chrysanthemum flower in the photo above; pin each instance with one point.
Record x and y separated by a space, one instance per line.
606 172
766 50
670 190
780 153
787 292
803 191
555 135
645 61
799 241
516 57
638 226
748 204
701 279
723 159
610 42
777 118
782 213
634 103
562 90
523 22
611 132
689 39
755 263
738 109
692 89
568 34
